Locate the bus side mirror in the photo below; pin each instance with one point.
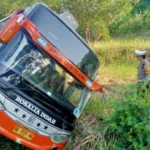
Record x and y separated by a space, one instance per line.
11 28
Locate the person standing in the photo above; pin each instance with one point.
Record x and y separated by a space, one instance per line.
143 71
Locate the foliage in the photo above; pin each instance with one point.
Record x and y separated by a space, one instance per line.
96 16
91 128
130 122
9 6
134 24
114 124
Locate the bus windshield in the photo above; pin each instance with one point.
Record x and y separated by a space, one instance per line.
22 58
64 39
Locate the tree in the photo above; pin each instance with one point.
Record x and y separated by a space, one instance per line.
96 16
9 6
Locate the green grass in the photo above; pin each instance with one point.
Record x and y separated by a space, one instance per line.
92 127
120 51
118 60
118 73
92 131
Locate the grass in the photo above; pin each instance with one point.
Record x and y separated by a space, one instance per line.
120 51
118 60
92 131
118 70
118 73
93 125
118 44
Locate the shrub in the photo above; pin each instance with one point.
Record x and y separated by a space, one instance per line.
130 122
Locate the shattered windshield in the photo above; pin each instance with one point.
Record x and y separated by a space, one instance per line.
22 58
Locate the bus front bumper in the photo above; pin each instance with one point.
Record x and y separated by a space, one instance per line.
27 137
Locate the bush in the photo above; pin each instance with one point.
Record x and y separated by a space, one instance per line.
130 123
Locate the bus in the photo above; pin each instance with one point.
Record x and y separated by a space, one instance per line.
47 73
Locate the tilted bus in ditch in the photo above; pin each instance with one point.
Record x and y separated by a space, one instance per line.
46 77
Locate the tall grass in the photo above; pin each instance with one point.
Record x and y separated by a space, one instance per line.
118 71
113 124
91 130
118 59
120 51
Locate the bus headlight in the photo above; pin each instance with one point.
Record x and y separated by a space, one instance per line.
59 138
